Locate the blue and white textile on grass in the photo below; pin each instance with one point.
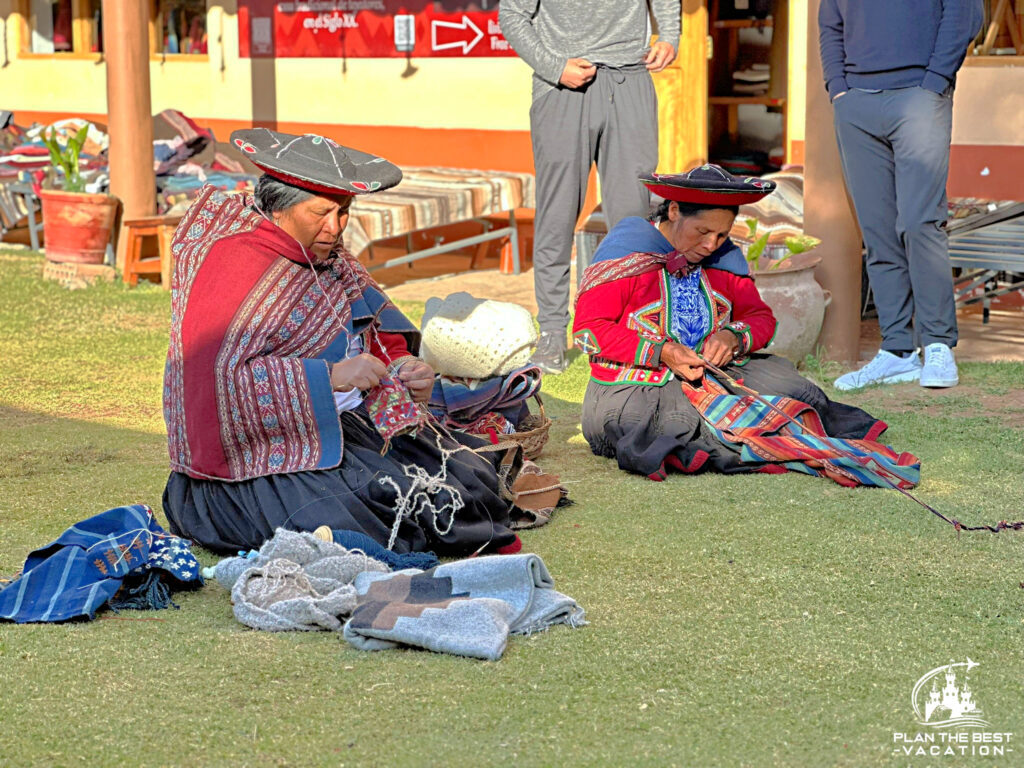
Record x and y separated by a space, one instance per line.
91 561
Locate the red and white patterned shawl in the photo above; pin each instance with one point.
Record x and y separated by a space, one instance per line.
247 388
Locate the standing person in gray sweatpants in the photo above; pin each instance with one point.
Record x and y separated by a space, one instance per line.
593 100
890 69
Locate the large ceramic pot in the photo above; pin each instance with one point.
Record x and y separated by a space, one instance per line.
798 303
77 226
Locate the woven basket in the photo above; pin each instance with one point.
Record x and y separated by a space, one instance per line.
532 439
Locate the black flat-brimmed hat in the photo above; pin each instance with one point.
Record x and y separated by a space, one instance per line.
315 162
708 185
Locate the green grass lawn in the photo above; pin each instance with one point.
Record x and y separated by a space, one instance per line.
748 620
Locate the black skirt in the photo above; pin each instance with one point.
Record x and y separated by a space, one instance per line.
226 517
650 430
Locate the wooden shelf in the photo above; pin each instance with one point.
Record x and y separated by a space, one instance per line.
742 23
737 100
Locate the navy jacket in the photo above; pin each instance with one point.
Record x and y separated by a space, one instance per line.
895 43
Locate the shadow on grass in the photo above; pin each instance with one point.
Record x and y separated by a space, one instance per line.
55 471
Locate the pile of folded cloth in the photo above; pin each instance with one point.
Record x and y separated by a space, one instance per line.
299 581
186 156
752 81
480 350
492 406
22 151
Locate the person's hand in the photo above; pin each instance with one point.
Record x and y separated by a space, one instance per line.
660 56
419 378
682 361
577 73
720 348
362 372
838 96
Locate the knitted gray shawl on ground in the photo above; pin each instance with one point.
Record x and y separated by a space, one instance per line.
297 582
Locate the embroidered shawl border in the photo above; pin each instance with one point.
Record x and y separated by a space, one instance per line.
210 218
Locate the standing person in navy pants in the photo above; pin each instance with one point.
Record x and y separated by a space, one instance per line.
890 70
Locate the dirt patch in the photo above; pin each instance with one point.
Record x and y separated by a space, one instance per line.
963 401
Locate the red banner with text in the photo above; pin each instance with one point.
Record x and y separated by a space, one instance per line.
370 29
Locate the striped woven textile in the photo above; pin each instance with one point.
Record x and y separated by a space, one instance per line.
433 197
772 443
780 214
85 567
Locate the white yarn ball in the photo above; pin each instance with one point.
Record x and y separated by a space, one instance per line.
475 338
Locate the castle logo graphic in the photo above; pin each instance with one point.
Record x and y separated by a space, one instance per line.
952 706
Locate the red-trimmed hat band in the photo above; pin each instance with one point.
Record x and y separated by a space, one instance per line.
706 197
307 184
708 184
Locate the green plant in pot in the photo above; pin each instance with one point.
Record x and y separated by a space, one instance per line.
76 224
786 283
794 246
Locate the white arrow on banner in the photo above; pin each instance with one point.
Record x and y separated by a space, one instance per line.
466 45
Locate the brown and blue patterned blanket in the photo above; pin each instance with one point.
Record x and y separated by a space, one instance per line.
467 608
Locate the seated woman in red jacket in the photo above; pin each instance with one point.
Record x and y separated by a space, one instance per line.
663 296
281 348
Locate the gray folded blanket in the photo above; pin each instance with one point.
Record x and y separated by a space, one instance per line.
467 608
297 582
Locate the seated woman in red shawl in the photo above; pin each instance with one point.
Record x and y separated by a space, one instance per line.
279 341
663 298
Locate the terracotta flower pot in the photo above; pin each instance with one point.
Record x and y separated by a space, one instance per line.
77 226
798 303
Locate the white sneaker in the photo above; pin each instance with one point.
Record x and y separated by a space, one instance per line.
939 367
886 368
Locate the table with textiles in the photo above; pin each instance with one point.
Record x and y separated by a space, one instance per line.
434 197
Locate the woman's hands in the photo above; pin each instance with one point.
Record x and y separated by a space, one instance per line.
365 371
682 361
419 378
719 349
361 372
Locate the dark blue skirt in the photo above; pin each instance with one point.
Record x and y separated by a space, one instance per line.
226 517
647 428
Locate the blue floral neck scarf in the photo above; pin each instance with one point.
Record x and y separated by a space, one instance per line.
690 316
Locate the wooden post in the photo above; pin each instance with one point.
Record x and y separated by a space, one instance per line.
683 96
828 213
126 50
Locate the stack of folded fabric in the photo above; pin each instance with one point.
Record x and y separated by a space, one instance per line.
186 156
752 81
478 405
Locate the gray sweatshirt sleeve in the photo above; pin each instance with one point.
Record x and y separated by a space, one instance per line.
667 14
515 17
